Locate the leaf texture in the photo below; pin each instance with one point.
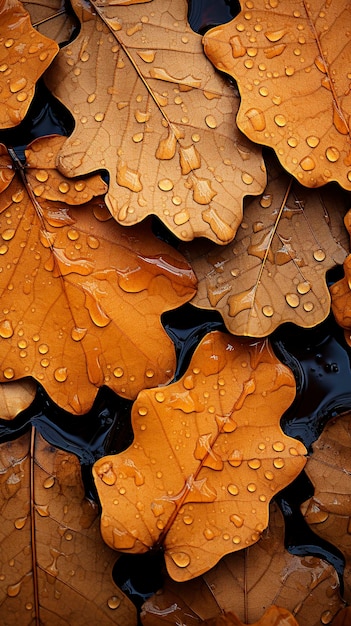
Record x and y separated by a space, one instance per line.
55 569
78 292
329 509
151 110
207 457
20 42
51 19
274 270
291 61
15 397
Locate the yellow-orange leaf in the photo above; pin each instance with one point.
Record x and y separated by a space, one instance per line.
150 109
15 397
245 582
291 61
24 56
274 270
54 567
81 297
207 457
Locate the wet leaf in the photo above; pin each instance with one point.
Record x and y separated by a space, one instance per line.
20 42
273 616
46 521
81 297
343 618
329 510
50 18
151 110
246 582
291 62
15 397
207 457
340 292
274 270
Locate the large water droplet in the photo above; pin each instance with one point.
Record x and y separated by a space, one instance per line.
181 559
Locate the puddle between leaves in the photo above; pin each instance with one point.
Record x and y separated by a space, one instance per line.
319 358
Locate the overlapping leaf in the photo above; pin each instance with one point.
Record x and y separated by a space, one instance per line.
274 270
329 510
207 457
81 298
151 110
15 397
248 581
273 616
51 19
54 568
341 294
24 56
291 61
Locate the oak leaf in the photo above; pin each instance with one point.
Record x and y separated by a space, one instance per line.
55 569
274 270
207 457
245 583
78 292
291 62
151 109
24 56
329 509
15 397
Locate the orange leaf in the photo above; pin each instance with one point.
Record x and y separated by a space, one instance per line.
247 581
291 61
54 567
15 397
21 43
151 110
79 292
207 457
274 270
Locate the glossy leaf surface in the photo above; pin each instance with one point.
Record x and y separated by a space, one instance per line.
151 110
15 397
274 270
25 54
78 292
55 569
291 61
207 457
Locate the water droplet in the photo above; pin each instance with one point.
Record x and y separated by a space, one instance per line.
254 464
20 522
263 91
6 330
126 177
289 70
269 475
42 176
235 459
267 310
304 287
118 372
166 184
307 164
13 590
308 306
113 602
160 396
106 473
292 300
332 154
147 55
319 255
188 519
251 487
211 121
181 559
208 534
49 482
247 178
60 374
43 348
278 463
274 51
275 35
280 120
312 141
237 520
256 118
278 446
9 373
99 117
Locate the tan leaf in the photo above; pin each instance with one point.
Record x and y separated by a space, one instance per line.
151 110
291 61
50 18
274 270
81 296
246 582
15 397
207 457
47 521
20 42
329 510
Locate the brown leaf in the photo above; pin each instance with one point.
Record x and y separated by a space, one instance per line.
273 616
341 294
24 56
46 520
291 61
207 457
329 509
343 618
15 397
274 270
151 110
248 581
50 18
81 296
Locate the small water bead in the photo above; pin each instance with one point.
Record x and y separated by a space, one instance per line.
319 255
60 374
292 142
268 310
211 121
181 559
188 519
20 522
303 287
332 154
247 178
166 184
233 489
118 372
45 363
237 520
312 141
278 463
269 475
208 534
99 117
49 482
278 446
9 373
251 487
142 411
308 306
42 176
280 120
113 602
6 330
307 164
290 70
160 396
292 300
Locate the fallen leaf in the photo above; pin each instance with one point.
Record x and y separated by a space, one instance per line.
207 457
341 294
329 509
46 521
291 61
343 618
151 109
81 296
273 616
51 18
24 57
15 397
274 270
245 583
